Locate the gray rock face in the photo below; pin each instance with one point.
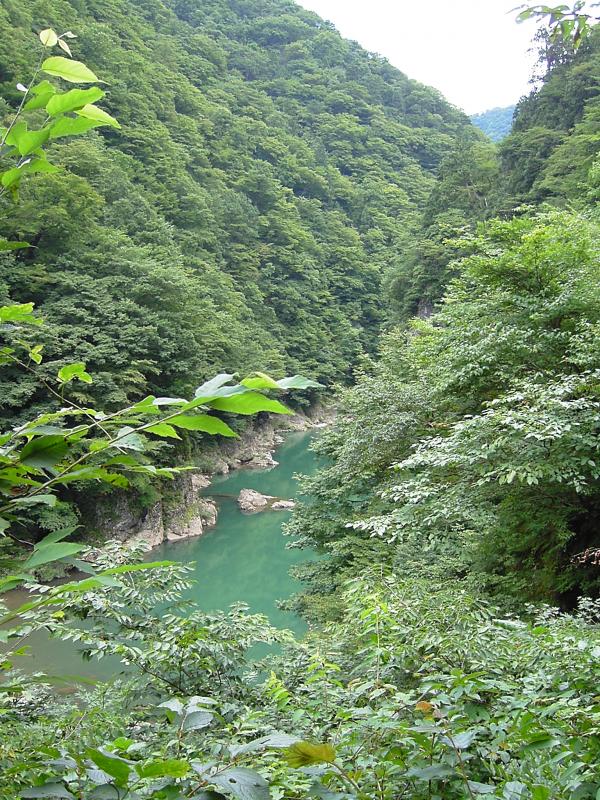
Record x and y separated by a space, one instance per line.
192 515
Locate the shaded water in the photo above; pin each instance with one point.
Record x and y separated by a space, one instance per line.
243 558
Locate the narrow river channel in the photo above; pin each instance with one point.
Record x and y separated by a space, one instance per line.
243 558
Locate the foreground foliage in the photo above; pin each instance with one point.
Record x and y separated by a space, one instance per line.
419 690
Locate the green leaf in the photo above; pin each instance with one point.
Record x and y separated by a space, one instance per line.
164 768
113 766
71 126
304 754
32 140
35 500
92 112
72 100
431 773
48 37
47 553
248 403
204 423
22 312
57 536
242 783
207 389
481 788
298 382
55 790
163 429
125 568
128 439
72 371
44 451
68 70
196 720
272 741
5 246
260 381
41 95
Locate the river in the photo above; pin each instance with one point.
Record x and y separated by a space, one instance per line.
243 558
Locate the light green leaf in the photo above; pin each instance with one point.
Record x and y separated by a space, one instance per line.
21 312
72 100
5 246
71 126
68 70
304 754
32 140
204 423
92 112
48 37
125 568
72 371
163 429
164 768
41 95
248 403
260 381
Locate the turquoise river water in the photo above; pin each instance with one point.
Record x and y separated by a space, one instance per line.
243 558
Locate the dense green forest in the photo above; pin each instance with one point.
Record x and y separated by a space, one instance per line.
253 195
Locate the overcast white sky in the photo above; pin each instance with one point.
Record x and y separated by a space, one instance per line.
473 51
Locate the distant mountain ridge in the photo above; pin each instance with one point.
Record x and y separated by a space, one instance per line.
495 123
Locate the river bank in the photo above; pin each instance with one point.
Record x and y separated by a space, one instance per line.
184 511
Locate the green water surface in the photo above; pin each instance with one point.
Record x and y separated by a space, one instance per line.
243 558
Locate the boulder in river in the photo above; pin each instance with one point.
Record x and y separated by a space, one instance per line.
251 501
283 505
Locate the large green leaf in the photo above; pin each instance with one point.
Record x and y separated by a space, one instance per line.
72 126
100 116
73 99
69 70
204 423
113 766
245 784
47 553
32 140
249 403
260 381
44 451
41 95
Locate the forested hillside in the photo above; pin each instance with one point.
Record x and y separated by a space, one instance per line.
266 196
264 175
495 123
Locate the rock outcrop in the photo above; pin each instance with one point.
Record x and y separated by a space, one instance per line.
251 501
